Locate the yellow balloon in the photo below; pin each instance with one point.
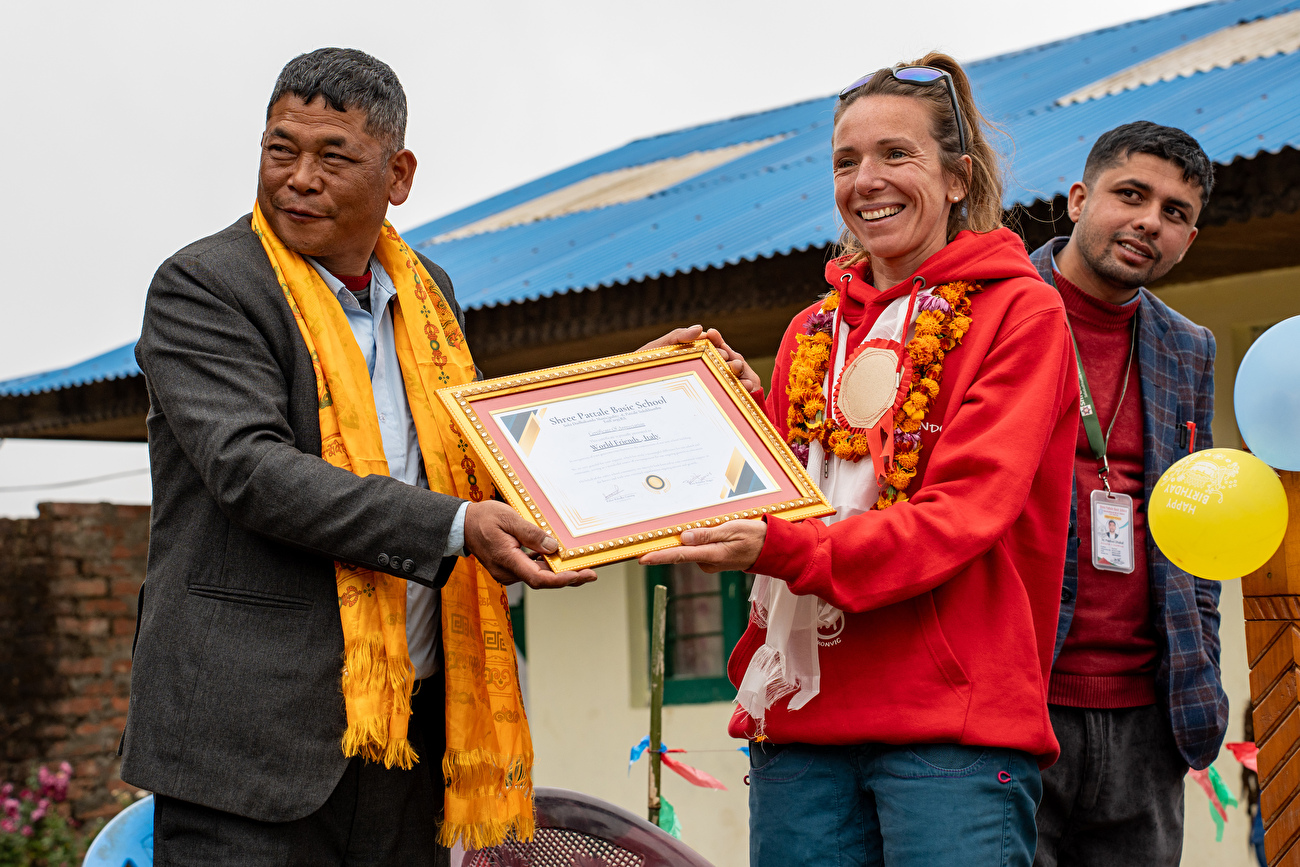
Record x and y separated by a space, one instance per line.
1219 513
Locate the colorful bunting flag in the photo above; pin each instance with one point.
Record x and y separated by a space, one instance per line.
1219 795
692 775
1247 753
668 818
641 746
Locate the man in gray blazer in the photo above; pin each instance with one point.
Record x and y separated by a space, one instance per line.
236 714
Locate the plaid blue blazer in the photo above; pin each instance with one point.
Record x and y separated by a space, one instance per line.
1176 364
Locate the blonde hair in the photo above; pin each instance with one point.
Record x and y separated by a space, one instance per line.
981 210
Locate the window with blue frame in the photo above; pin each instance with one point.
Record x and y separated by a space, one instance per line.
707 614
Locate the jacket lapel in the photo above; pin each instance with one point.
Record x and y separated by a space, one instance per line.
1158 369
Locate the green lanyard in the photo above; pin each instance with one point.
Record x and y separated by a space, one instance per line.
1088 410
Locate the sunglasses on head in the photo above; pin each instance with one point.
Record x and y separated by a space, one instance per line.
917 75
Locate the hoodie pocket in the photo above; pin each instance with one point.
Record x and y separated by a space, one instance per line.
937 644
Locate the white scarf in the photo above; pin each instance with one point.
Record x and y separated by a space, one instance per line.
787 662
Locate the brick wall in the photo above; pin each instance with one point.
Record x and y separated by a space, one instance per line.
68 585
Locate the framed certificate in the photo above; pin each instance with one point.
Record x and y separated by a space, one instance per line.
619 456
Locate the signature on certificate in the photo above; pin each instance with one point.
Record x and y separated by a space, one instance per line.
699 479
617 494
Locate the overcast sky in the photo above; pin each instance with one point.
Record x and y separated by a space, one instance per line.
133 128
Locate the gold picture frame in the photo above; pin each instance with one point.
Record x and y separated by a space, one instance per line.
478 409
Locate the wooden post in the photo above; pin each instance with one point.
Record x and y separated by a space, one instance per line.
658 626
1272 603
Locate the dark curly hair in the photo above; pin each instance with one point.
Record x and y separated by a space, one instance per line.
1145 137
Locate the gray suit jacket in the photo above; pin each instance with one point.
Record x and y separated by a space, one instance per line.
235 700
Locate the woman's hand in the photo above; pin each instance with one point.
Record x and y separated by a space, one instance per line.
731 547
734 359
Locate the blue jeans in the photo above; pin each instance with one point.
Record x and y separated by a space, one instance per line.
876 804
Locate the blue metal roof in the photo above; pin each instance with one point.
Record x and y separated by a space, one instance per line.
117 364
778 199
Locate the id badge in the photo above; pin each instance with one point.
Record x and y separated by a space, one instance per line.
1112 532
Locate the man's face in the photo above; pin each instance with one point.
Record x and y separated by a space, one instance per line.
1111 526
1136 220
325 183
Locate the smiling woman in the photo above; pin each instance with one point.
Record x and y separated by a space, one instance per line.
930 393
886 152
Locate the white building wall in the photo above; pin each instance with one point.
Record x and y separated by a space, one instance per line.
588 704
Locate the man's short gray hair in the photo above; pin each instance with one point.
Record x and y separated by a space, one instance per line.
347 78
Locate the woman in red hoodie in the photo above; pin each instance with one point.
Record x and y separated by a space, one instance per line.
893 678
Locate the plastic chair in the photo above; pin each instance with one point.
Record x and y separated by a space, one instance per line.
127 840
573 830
577 830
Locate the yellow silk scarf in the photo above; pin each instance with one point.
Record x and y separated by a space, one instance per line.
488 764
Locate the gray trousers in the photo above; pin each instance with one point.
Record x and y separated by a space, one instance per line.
1116 794
375 816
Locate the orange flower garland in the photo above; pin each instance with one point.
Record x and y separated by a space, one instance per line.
942 323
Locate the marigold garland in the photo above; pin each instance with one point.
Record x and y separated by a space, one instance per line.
940 326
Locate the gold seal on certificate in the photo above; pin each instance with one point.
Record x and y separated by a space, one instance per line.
618 456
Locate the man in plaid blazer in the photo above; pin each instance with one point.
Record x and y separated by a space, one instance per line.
1136 696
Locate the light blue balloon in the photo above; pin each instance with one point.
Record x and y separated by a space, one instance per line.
1266 399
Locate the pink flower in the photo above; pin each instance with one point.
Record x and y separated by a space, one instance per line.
908 441
27 831
934 302
26 795
55 785
11 807
6 790
8 826
819 323
38 814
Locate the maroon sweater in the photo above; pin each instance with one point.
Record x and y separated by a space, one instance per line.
1109 657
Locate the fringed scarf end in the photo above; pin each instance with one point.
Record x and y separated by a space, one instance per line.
400 753
483 835
468 773
367 667
371 740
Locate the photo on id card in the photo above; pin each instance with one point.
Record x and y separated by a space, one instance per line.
1112 531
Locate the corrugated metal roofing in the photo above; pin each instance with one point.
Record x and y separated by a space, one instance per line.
777 199
1242 43
117 364
1233 112
607 188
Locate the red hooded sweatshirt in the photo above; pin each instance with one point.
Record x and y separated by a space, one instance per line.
950 598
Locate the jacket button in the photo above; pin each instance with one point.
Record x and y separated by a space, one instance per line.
383 559
1066 594
408 566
